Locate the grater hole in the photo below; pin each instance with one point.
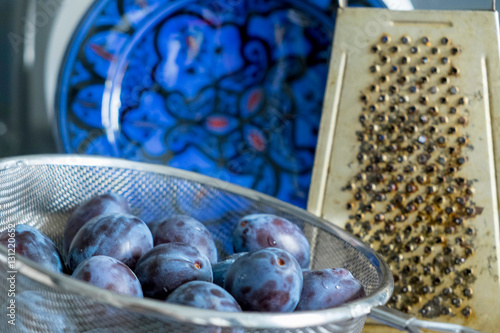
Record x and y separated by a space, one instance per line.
411 202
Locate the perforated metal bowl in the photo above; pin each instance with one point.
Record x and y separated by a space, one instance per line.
42 191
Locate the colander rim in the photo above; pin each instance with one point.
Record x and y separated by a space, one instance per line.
254 320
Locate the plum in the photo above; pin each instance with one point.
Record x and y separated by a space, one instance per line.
204 295
109 273
32 244
167 266
259 231
99 205
121 236
102 318
152 225
328 288
267 280
185 229
220 269
37 312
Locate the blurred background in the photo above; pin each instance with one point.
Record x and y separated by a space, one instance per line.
25 127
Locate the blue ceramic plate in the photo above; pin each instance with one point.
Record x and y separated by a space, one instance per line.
229 88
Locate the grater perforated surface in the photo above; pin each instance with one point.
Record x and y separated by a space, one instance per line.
406 155
42 192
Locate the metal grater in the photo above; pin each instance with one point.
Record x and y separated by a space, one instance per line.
408 155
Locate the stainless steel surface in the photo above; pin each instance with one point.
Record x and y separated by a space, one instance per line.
404 322
42 190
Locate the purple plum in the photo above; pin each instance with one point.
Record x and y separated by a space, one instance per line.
32 244
152 225
267 280
328 288
185 229
259 231
167 266
99 205
220 269
204 295
123 237
109 273
37 312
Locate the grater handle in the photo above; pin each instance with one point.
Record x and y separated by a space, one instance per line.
404 322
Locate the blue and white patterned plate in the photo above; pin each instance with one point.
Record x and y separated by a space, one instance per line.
229 88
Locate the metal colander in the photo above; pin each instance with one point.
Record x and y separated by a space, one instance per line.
42 191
